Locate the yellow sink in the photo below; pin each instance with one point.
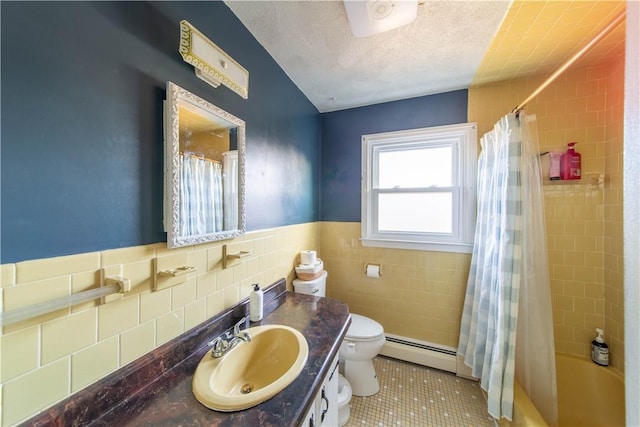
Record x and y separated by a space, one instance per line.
252 372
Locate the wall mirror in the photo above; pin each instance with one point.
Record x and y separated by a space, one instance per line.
204 175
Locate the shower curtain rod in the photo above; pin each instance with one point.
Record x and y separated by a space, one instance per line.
606 30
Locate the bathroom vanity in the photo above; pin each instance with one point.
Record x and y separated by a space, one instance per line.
324 410
157 388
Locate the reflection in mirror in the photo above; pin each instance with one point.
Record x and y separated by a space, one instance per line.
204 170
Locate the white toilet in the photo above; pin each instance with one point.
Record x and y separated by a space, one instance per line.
362 343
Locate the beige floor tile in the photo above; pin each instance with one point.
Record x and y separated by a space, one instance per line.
414 395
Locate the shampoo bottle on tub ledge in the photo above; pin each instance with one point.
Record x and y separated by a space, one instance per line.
600 349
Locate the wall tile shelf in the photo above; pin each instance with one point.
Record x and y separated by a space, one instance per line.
592 180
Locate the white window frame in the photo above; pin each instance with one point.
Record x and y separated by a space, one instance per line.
463 139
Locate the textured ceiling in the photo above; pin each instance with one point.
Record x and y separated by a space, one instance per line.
313 43
452 44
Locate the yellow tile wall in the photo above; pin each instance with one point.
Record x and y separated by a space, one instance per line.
45 359
613 214
420 294
583 105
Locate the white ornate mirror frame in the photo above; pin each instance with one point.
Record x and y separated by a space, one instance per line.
180 99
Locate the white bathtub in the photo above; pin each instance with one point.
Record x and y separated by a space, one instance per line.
588 395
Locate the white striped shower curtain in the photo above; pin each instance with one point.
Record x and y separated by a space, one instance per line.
200 196
503 275
230 186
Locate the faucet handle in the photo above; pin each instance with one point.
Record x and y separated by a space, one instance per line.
236 327
220 346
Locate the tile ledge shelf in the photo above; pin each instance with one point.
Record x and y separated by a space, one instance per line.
591 180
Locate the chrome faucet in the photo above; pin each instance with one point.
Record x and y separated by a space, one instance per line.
229 339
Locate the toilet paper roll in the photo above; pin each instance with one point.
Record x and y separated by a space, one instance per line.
308 257
373 270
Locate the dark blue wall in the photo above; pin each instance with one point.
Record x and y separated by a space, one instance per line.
82 91
341 143
81 154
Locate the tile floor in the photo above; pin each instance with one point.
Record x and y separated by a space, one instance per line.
414 395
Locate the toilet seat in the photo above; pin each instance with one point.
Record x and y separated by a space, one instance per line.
364 329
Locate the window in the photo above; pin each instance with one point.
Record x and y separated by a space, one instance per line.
418 188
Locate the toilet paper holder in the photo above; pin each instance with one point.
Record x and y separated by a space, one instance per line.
373 270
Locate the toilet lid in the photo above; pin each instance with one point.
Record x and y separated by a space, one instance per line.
364 328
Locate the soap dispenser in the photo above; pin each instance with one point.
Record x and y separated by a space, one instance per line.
255 304
571 163
600 349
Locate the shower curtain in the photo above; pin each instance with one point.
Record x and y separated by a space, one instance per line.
200 196
230 185
507 328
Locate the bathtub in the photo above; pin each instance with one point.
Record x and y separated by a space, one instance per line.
588 395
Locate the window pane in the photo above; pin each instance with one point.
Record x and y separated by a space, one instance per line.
421 167
417 212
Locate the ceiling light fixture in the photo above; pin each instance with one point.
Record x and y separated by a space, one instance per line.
369 17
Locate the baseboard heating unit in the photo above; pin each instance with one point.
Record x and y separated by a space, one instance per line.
420 352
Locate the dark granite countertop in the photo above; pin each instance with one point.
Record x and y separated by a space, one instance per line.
156 389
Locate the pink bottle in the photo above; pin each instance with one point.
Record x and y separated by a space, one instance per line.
570 163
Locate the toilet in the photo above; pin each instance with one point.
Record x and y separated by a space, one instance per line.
361 344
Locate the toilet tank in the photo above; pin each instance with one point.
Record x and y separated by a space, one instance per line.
315 287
